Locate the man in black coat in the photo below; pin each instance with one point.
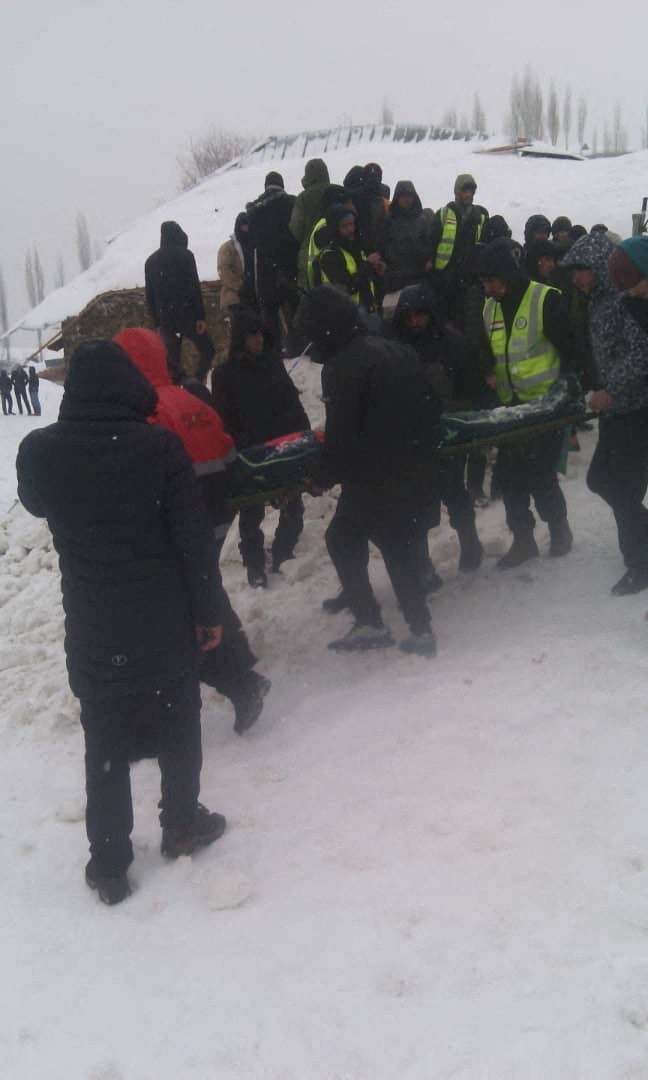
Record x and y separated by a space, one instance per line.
276 255
175 301
258 401
5 392
457 230
381 443
140 586
451 368
19 381
343 262
408 244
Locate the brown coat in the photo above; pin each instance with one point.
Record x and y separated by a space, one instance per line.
231 272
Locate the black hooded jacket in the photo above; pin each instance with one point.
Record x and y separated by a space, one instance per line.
409 243
269 220
382 417
128 521
332 263
172 285
451 364
254 395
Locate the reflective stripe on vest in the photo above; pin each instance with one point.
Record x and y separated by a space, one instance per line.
527 363
352 271
313 252
449 236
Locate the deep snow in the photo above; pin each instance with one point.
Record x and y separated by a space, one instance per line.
434 869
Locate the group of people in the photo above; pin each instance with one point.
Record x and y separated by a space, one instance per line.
20 383
446 311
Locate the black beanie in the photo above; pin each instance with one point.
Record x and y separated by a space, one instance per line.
500 259
274 179
561 224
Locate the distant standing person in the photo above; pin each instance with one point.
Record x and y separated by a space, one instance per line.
5 393
33 385
308 209
175 301
19 381
457 230
235 264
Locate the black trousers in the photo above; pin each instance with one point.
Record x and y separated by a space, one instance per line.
21 398
289 529
7 403
454 493
227 668
527 470
173 343
174 709
619 474
363 516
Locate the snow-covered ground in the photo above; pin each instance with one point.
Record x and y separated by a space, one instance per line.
433 870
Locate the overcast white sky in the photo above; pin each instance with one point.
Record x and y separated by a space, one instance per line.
97 98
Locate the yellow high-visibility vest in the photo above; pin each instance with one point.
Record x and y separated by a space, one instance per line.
313 252
352 270
526 362
449 236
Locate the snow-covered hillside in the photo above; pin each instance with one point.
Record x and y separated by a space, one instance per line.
433 870
587 191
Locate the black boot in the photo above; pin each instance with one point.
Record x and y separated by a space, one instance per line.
421 644
363 637
521 550
202 830
561 539
333 604
472 551
111 888
257 578
432 581
633 581
248 705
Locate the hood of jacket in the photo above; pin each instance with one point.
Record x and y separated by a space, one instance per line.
329 318
102 380
496 228
335 215
536 223
171 235
415 298
246 322
405 187
592 253
315 172
146 350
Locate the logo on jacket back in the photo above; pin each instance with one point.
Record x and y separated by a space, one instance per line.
119 660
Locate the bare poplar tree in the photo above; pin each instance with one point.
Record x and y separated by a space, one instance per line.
567 115
59 273
619 133
553 117
84 246
39 277
30 280
478 117
581 120
607 142
4 315
595 142
386 114
449 118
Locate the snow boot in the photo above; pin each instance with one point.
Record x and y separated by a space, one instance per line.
201 831
521 550
561 539
248 705
472 551
362 637
333 604
423 644
111 888
633 581
257 578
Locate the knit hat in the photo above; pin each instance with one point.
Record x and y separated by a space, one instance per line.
495 228
500 259
628 263
463 181
274 179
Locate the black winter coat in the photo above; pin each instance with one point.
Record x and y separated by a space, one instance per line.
408 243
128 521
382 418
172 284
256 398
19 378
269 220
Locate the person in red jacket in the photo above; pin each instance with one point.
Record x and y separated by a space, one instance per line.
230 668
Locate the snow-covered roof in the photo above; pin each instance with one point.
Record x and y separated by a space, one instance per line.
606 190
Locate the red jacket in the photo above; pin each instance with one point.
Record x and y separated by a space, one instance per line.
199 427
